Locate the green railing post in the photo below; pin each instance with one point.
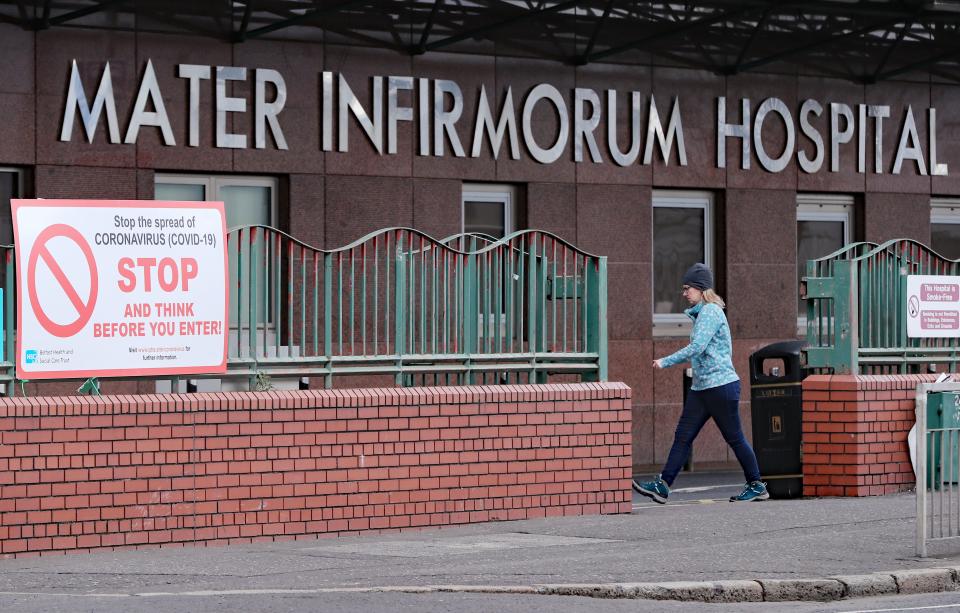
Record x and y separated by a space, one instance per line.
597 316
541 305
903 341
532 307
253 254
10 321
400 312
810 307
471 309
91 386
328 318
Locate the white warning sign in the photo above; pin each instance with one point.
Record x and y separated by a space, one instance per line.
933 306
120 288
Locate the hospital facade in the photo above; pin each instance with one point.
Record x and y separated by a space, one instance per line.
654 166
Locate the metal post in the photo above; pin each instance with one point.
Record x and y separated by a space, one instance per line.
471 309
533 331
91 386
597 317
921 470
328 318
400 312
845 312
9 323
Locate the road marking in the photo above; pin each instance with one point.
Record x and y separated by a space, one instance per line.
704 488
68 594
685 503
924 608
426 589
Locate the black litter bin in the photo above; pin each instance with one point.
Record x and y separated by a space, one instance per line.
776 405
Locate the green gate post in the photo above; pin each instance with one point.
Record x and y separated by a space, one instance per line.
596 279
840 316
810 306
846 318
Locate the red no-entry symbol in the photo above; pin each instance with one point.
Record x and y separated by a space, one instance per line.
84 307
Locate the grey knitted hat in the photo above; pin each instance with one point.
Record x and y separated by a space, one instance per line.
698 276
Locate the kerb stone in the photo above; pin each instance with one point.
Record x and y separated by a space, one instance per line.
862 586
801 589
923 580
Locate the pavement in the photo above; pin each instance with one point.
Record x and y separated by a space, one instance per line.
698 547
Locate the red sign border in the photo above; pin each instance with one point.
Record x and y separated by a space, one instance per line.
70 232
23 373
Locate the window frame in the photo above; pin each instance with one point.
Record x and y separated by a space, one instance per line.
20 182
944 211
668 323
20 175
490 193
824 207
214 182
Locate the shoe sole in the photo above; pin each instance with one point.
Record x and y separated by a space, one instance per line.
649 494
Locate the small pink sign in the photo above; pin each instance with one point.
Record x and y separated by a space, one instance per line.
940 320
940 292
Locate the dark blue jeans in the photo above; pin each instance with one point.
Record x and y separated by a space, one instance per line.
722 404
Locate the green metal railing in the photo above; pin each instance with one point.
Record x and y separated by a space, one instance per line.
856 310
9 344
464 310
468 309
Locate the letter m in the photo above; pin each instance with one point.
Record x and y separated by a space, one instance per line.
90 116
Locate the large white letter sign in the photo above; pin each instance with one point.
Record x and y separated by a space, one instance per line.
120 288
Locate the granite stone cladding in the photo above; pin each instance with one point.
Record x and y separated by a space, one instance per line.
329 198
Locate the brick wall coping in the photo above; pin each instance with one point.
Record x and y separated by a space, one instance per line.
294 399
866 382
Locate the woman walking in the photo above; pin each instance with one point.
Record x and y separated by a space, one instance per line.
715 391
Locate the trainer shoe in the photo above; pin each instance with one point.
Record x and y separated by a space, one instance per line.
755 490
656 489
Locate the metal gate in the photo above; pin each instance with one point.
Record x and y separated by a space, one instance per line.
937 468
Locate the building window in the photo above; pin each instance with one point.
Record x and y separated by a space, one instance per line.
246 200
824 225
945 227
488 209
11 186
682 236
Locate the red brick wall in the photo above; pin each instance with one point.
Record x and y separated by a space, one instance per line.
80 473
855 434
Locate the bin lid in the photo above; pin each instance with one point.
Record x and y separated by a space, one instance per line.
780 350
789 352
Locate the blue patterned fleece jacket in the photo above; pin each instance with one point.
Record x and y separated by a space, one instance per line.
710 351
